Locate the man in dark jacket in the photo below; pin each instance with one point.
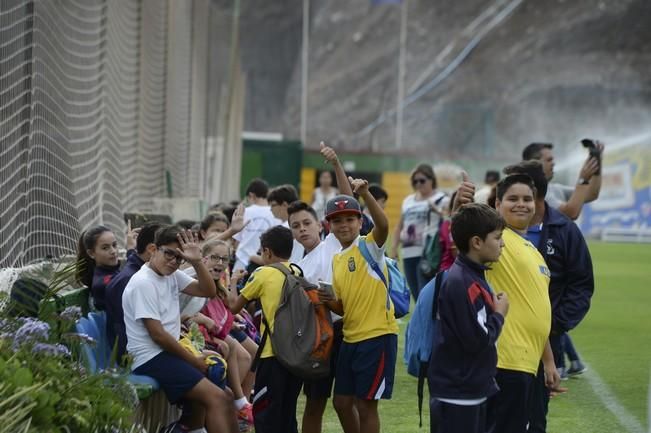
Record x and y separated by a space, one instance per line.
566 253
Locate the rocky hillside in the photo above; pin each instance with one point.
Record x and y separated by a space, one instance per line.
554 70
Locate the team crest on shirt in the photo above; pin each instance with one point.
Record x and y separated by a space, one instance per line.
351 264
550 248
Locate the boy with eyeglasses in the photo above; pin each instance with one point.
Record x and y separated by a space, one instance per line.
153 326
145 247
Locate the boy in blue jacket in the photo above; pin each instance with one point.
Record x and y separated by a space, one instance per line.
464 358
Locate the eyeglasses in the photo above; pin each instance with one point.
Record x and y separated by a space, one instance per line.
419 180
170 254
216 258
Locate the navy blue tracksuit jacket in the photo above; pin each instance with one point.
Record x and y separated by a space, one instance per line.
567 256
464 358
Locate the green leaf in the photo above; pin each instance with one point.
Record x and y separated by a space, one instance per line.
23 377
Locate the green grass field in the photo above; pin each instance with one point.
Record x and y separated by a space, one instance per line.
614 339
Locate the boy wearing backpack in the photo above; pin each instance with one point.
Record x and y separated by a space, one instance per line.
367 357
276 388
470 317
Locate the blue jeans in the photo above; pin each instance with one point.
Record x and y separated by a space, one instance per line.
569 348
562 344
415 278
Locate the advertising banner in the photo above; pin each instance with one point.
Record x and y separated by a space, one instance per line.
625 198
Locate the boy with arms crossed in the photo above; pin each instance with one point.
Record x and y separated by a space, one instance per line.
464 358
317 266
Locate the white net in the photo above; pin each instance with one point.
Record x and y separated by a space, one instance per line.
103 108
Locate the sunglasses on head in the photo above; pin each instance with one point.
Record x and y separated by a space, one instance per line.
419 180
170 254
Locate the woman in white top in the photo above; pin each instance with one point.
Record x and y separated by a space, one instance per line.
322 193
420 216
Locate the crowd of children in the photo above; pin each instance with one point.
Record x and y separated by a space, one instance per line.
192 307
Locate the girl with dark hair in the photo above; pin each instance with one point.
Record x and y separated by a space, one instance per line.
97 260
213 224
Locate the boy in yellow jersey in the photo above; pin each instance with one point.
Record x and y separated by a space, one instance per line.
522 274
367 357
276 389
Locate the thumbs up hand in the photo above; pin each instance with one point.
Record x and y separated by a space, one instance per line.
465 192
328 153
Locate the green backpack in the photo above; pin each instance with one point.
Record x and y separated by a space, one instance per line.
430 259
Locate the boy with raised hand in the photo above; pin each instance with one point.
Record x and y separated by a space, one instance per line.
317 266
153 327
316 263
366 362
464 358
276 388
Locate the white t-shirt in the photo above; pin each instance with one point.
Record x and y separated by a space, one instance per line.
317 264
415 225
151 296
557 194
261 219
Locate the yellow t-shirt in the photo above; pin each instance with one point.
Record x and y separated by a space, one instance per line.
522 274
266 284
362 293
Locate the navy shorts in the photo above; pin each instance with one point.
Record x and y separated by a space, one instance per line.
238 334
175 376
366 369
322 388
